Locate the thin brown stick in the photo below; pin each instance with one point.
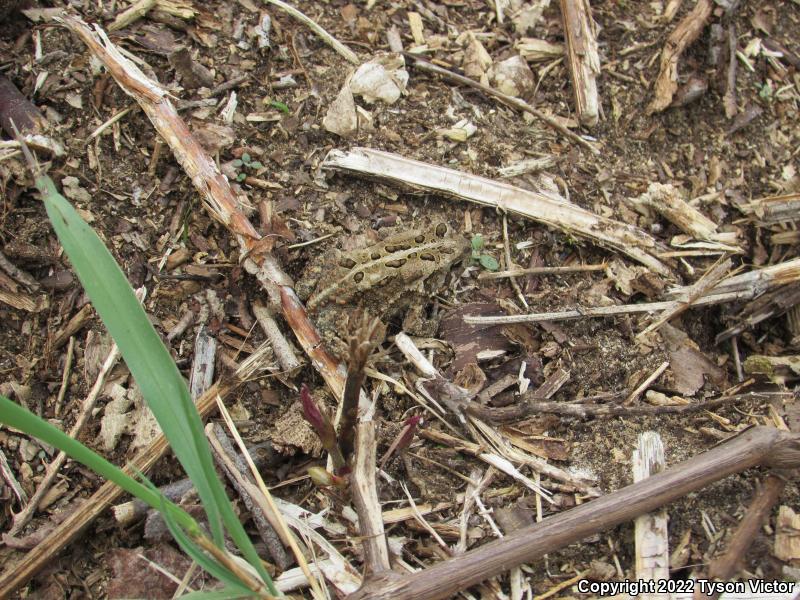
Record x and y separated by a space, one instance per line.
62 391
283 349
756 446
507 255
516 103
542 271
503 415
523 407
702 286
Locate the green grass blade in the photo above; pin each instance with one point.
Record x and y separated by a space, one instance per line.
20 418
155 372
217 570
159 380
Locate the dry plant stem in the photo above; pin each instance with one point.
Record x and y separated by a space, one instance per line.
8 476
687 31
756 446
549 209
133 13
62 391
523 407
69 529
507 254
601 311
368 333
650 530
202 373
729 97
217 196
73 326
270 507
583 59
235 468
537 464
614 410
702 286
772 304
671 10
511 101
744 286
280 345
640 389
542 271
24 516
226 560
365 498
724 567
773 209
343 50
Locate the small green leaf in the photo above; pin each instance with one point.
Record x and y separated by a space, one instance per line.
246 158
241 177
237 163
280 106
488 262
256 165
477 242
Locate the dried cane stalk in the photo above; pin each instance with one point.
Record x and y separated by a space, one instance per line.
217 195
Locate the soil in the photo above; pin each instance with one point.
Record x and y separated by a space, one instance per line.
134 194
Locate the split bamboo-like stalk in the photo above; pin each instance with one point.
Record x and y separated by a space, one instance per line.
584 61
550 209
650 529
774 209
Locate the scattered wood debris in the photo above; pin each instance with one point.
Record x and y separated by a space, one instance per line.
493 421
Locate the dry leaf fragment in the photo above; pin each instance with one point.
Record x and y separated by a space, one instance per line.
341 117
477 60
513 77
382 78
